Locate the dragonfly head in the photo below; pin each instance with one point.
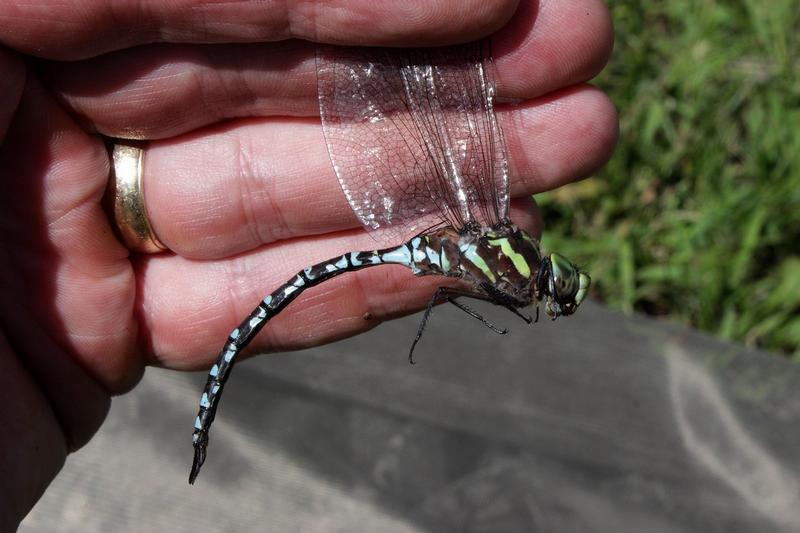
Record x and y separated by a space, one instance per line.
564 286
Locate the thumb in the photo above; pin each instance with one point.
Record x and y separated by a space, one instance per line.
12 81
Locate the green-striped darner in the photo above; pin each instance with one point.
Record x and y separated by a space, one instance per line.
415 143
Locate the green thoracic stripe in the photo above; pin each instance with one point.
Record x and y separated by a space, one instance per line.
519 261
470 253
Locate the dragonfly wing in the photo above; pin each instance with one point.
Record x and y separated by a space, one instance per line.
413 136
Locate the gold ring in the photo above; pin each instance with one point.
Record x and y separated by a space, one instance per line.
130 213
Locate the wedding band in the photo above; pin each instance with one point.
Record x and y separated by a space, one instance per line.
130 214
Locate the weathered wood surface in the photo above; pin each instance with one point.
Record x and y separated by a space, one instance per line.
593 423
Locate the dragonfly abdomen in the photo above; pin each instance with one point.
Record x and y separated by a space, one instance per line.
414 254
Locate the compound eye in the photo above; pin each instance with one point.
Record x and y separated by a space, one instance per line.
565 285
584 281
564 275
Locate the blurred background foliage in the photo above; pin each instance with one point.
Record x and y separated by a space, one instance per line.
697 216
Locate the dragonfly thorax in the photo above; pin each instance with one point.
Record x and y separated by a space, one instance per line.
498 262
502 263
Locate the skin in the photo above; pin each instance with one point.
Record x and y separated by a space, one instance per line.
237 179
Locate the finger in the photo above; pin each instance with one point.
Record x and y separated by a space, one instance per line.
188 307
559 138
162 91
552 44
69 271
234 189
64 30
50 404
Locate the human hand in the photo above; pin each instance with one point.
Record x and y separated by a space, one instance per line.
242 204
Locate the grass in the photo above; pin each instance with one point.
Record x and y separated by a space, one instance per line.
697 216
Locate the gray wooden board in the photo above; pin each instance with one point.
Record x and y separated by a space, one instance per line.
597 422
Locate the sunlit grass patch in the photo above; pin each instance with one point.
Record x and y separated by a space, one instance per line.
697 216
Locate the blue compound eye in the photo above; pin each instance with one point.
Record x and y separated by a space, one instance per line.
565 276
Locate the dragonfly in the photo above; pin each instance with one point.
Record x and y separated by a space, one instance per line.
418 150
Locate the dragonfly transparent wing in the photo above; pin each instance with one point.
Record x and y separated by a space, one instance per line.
413 136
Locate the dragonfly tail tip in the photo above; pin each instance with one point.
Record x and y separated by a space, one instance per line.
199 458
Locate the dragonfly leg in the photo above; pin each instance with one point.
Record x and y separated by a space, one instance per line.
499 298
447 294
475 314
526 318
